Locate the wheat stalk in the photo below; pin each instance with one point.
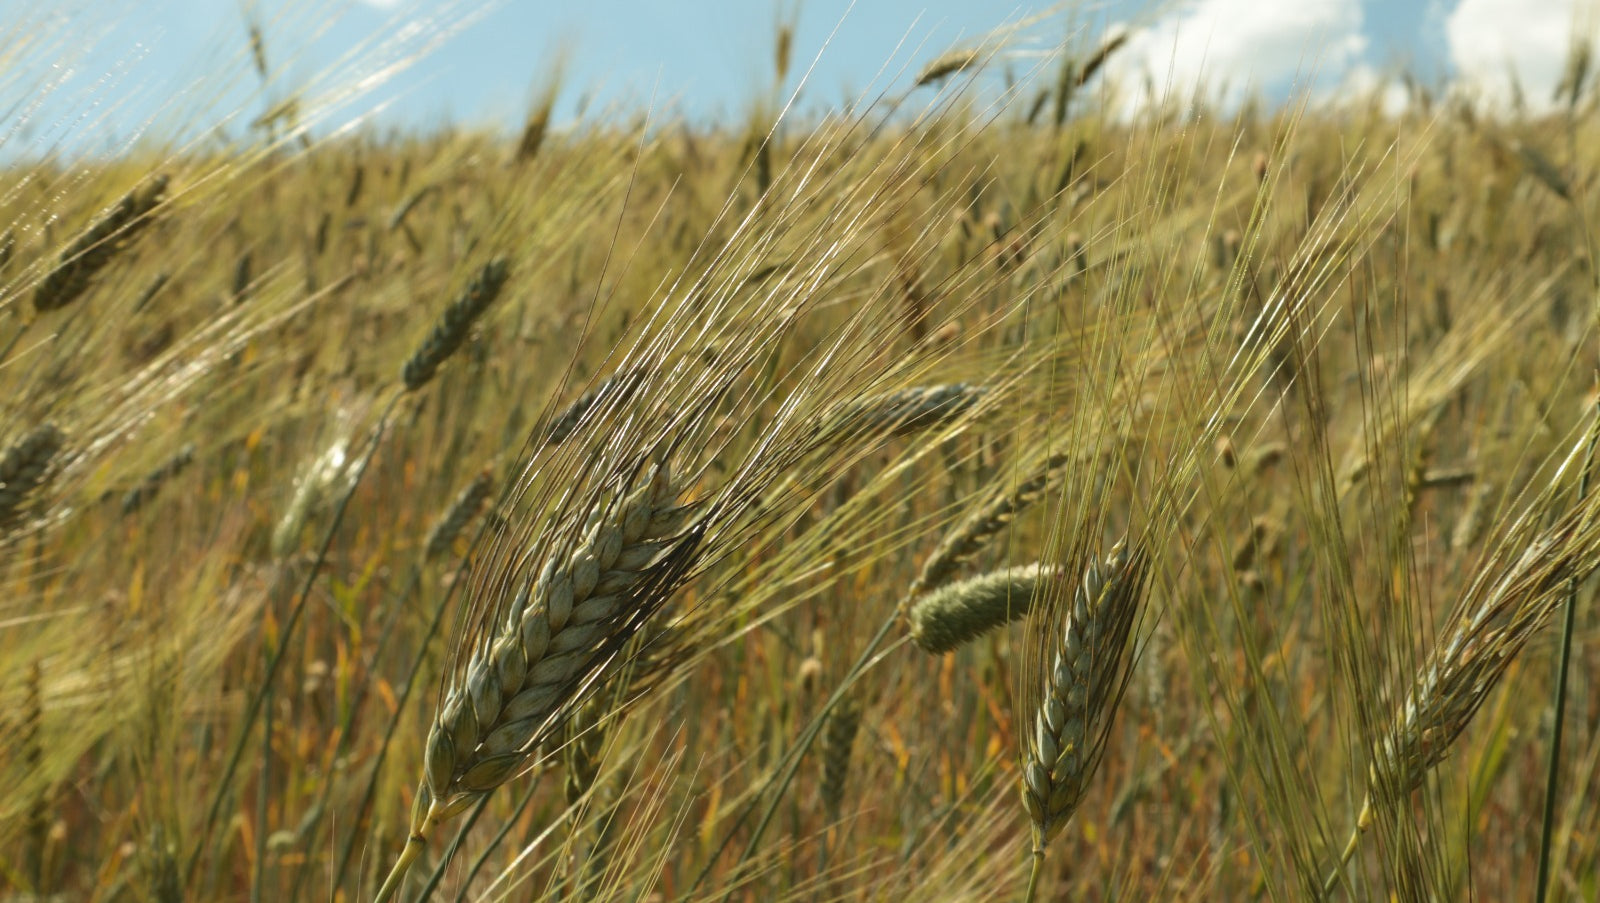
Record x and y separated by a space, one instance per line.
1081 668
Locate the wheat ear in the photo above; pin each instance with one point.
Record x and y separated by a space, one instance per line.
135 498
947 64
954 615
23 468
89 253
560 629
974 533
903 412
31 744
618 384
468 504
1082 660
453 326
1501 610
838 739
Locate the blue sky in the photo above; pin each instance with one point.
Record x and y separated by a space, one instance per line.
115 68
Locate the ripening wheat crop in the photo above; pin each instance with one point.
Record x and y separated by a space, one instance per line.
972 493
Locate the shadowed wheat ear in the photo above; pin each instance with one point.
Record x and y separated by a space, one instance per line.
838 739
23 469
1079 659
138 496
561 627
89 253
1504 606
615 388
453 326
970 537
954 615
468 504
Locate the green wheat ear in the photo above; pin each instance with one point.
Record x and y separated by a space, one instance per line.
958 613
1082 652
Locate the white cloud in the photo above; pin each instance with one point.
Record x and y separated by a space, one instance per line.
1490 39
1243 44
1362 83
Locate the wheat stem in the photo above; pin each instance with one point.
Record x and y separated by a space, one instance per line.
1035 868
413 849
1568 625
791 762
1363 822
278 654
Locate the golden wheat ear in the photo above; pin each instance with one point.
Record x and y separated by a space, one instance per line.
1504 606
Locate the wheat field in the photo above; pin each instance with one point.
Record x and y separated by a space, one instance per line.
978 493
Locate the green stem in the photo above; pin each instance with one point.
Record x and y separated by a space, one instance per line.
414 846
1363 821
1035 869
450 851
1568 625
253 707
793 758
